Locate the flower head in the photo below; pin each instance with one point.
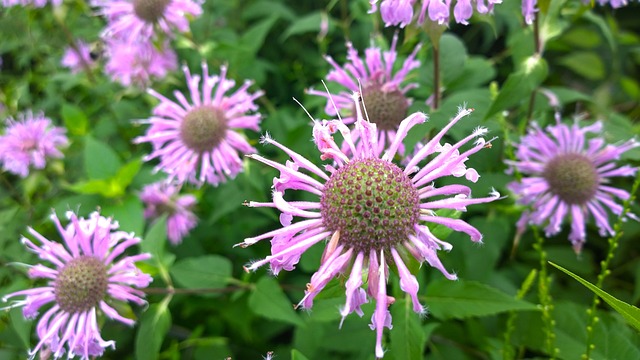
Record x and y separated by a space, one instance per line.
373 211
138 63
76 60
29 141
196 141
400 12
163 198
85 278
565 175
383 89
140 20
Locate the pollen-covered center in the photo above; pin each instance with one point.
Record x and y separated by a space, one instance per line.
150 10
572 177
81 284
372 203
386 109
203 128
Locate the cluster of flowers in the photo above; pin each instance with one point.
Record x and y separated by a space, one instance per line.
373 210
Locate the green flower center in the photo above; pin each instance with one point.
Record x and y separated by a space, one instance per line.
203 128
150 10
81 284
372 203
572 177
386 109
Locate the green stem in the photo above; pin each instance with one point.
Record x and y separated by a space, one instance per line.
604 268
544 284
436 76
508 352
538 51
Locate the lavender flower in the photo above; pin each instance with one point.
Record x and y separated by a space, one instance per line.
84 279
371 210
383 93
565 175
196 141
137 63
29 141
400 12
162 198
140 20
74 60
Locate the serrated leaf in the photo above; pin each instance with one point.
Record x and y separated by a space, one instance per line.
100 160
208 272
154 325
74 119
464 299
629 312
407 338
268 300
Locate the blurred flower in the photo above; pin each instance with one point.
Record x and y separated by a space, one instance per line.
565 175
84 279
74 60
371 210
35 3
162 198
529 9
29 141
400 12
137 63
197 141
384 97
140 20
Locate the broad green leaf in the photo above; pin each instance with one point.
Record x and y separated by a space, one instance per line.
153 328
407 338
127 172
305 24
204 272
75 119
253 39
463 299
21 326
106 188
629 312
100 160
297 355
155 240
585 63
268 300
128 212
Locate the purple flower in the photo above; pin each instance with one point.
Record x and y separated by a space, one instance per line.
74 60
373 211
140 20
196 141
84 280
35 3
162 198
400 12
383 92
137 63
29 141
565 175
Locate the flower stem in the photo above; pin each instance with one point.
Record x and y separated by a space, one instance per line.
508 352
544 296
436 76
538 51
604 268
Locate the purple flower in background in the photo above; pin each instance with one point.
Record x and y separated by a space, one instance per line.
372 211
140 20
401 12
383 89
137 63
565 175
74 60
35 3
29 141
85 278
163 198
196 141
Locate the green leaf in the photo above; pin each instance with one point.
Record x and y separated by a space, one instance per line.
629 312
407 338
100 160
21 326
519 85
155 240
464 299
101 187
128 212
209 272
154 326
127 172
297 355
305 24
268 300
74 119
253 39
585 63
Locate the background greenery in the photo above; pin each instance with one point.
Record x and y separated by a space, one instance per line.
204 306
